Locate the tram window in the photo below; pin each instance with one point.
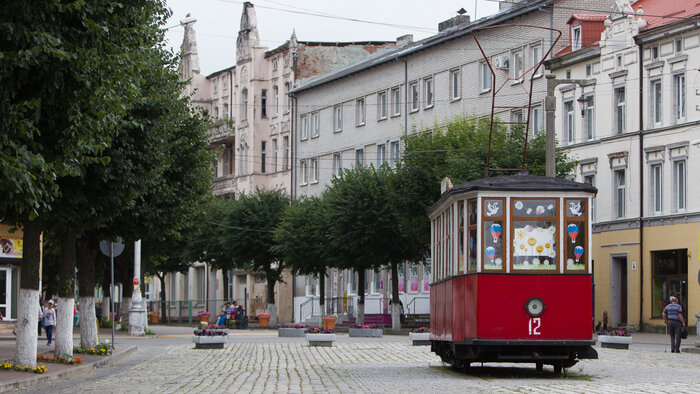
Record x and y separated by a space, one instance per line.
534 234
471 231
492 254
460 239
575 240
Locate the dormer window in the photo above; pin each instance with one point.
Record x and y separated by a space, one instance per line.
576 38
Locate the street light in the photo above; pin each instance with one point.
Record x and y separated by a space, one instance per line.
582 102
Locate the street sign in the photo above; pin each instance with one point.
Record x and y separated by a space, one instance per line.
118 247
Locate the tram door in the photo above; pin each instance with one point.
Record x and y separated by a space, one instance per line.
618 291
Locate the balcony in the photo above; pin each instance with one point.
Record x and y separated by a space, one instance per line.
227 184
222 131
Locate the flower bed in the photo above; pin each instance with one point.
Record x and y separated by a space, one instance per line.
292 330
26 368
209 339
61 360
615 339
264 319
420 336
366 331
103 349
320 337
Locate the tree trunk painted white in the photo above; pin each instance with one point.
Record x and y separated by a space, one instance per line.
124 307
88 325
360 313
106 308
395 316
28 314
64 327
272 310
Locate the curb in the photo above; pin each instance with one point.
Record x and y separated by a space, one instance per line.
82 370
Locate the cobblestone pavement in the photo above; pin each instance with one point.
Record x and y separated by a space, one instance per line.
391 364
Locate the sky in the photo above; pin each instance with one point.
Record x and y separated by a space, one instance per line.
218 22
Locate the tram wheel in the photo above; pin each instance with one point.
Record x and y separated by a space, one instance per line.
558 366
539 366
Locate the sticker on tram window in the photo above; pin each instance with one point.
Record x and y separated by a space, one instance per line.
493 208
576 209
530 208
576 244
534 325
534 245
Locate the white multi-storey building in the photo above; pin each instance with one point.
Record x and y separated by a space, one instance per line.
633 127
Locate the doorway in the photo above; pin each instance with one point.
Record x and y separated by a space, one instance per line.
618 291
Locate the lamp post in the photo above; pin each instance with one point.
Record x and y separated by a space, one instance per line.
137 313
550 106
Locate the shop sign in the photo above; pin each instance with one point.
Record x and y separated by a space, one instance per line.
11 247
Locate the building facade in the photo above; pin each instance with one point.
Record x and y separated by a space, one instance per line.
10 264
633 129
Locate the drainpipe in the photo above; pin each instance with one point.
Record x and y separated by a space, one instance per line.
405 97
641 187
293 142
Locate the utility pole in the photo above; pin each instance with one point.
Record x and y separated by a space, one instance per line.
550 106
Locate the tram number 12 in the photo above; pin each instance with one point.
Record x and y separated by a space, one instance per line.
534 326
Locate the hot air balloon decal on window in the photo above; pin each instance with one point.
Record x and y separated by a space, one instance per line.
496 230
572 230
491 253
578 252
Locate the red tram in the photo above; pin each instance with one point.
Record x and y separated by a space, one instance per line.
512 272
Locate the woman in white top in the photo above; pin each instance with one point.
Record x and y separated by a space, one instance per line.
49 321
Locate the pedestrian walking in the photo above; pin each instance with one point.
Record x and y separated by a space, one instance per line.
673 317
49 321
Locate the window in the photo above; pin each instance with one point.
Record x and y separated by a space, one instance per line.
396 101
471 233
383 110
359 156
679 46
620 110
200 274
670 278
576 38
337 165
360 116
679 96
302 169
429 93
263 103
273 164
569 122
313 168
654 52
244 104
516 116
263 156
338 118
656 104
535 233
461 260
215 83
216 112
224 83
576 221
274 64
537 121
618 61
287 103
415 97
536 53
304 128
590 179
589 70
494 221
455 84
314 125
275 100
376 282
568 74
679 185
517 64
619 194
285 153
228 160
381 154
590 118
394 153
485 76
655 175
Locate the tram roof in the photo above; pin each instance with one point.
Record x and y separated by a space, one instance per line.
517 183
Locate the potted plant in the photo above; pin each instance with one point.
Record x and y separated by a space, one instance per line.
420 336
292 330
320 337
209 339
264 319
329 322
615 339
154 317
203 316
366 331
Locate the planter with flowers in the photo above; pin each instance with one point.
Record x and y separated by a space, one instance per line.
320 337
292 330
615 339
366 331
264 319
420 336
203 317
209 339
329 322
154 317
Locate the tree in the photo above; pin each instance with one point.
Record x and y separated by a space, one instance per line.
363 230
301 239
162 262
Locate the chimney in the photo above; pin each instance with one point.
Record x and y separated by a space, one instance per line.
459 20
404 40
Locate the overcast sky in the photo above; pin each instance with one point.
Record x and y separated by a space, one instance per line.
218 22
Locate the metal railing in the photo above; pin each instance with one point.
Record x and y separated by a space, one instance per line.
413 303
176 311
332 306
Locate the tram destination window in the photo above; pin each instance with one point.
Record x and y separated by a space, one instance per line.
494 221
575 242
535 234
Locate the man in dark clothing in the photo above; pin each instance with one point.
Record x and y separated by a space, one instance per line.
673 317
